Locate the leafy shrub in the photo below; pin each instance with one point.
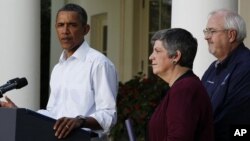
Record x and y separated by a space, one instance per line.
137 100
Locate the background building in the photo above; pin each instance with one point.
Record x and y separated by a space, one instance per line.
121 29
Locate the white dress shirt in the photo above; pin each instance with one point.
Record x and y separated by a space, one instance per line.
84 84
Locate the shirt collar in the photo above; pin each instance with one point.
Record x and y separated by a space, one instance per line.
80 53
233 54
186 74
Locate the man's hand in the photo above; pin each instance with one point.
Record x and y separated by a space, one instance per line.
65 125
8 103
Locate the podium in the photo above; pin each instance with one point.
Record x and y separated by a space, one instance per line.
26 125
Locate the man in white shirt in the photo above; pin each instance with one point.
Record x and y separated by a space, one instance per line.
83 84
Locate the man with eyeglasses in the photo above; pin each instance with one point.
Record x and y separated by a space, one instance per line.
227 79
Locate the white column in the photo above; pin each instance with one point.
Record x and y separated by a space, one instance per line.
192 15
20 49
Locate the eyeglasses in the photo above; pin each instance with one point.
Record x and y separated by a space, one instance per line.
210 32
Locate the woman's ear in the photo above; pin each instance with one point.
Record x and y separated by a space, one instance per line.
177 56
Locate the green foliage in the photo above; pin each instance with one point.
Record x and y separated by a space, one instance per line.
137 100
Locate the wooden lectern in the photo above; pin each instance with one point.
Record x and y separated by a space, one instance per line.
25 125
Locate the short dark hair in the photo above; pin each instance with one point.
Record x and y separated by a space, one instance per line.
178 39
76 8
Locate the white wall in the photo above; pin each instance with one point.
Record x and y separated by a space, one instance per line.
112 8
244 11
20 49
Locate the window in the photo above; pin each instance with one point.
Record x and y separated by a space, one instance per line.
159 18
149 17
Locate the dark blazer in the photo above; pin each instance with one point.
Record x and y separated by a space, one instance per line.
228 86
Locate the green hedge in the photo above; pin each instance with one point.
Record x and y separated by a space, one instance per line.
137 100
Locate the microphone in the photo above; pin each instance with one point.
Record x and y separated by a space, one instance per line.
15 83
9 82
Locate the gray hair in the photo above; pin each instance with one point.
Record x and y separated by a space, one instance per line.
233 20
178 39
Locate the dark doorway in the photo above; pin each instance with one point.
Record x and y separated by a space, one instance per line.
45 52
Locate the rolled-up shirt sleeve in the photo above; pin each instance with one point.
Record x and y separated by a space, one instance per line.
105 85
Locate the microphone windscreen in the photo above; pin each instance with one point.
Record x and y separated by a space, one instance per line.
21 83
13 80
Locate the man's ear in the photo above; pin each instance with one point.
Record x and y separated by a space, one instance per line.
86 29
232 35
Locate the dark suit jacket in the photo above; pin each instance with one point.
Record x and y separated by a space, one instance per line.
228 86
